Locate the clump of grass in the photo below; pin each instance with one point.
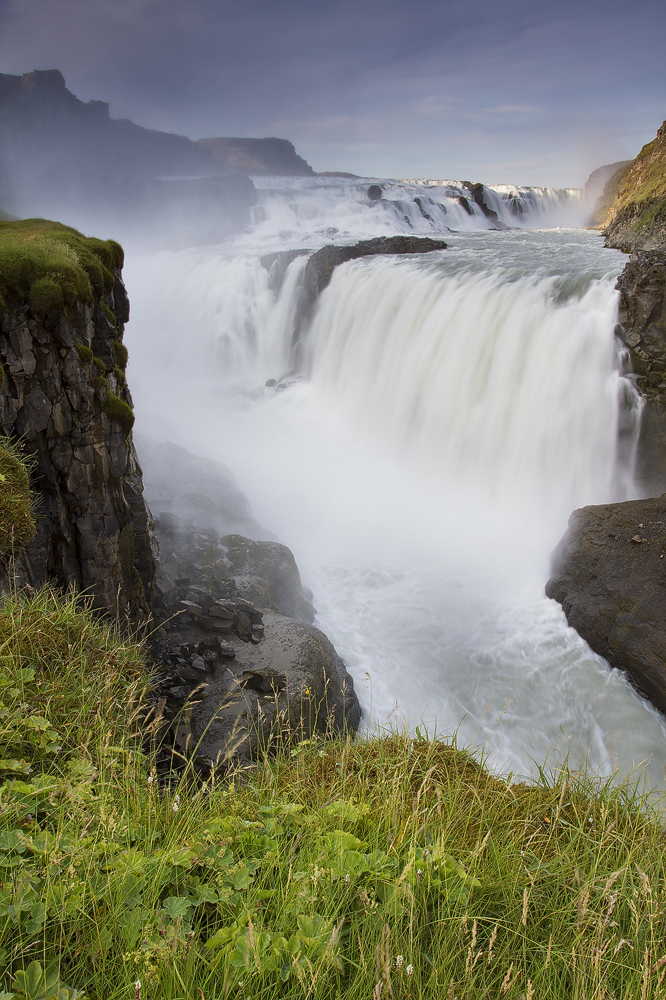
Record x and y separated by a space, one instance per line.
45 296
120 352
17 526
99 365
110 315
39 257
119 410
391 867
84 353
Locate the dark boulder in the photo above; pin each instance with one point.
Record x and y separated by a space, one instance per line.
319 268
374 192
286 688
609 575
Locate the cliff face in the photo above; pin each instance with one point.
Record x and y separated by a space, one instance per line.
276 157
642 330
64 399
636 217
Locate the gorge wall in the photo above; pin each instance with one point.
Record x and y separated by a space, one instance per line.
65 400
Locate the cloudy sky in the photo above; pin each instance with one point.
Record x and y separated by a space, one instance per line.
518 91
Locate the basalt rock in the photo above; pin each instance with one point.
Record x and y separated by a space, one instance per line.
642 330
240 664
64 398
609 575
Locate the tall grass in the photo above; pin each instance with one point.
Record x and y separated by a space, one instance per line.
392 867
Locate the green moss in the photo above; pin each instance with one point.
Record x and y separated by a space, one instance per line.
99 365
45 296
110 315
117 409
654 212
34 251
16 522
120 375
2 378
120 352
84 352
99 384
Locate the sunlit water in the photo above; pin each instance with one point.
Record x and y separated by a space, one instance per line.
444 416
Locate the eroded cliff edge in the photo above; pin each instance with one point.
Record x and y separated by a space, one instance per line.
64 398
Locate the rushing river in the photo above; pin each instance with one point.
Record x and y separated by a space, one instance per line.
422 449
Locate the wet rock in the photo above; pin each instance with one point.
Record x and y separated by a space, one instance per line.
285 689
374 192
610 579
642 330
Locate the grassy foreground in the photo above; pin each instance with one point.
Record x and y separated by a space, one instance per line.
392 867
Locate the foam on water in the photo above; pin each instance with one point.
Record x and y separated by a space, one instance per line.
449 413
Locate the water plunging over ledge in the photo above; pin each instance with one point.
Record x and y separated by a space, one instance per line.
449 412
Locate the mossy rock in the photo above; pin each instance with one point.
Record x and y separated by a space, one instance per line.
39 257
117 409
99 365
110 315
45 296
17 526
120 352
84 352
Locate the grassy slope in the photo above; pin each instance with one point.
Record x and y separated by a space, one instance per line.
50 265
641 194
393 867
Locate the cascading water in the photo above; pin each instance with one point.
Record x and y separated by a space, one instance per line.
450 411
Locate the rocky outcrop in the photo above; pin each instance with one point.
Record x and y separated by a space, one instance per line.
273 157
636 216
64 398
321 264
609 575
240 664
642 330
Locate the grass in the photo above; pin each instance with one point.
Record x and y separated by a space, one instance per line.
391 867
17 526
641 187
50 265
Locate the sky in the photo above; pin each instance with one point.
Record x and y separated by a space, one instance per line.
502 91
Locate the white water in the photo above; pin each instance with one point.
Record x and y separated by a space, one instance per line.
449 413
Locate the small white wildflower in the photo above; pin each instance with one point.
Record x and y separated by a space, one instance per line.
137 990
150 779
347 879
399 959
176 803
409 970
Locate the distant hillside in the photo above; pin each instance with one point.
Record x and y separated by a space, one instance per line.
276 157
633 209
601 189
67 159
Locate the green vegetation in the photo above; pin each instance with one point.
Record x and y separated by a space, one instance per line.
119 410
638 192
120 352
99 365
84 353
48 264
16 522
391 867
110 315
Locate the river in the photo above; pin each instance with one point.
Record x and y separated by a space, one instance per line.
423 448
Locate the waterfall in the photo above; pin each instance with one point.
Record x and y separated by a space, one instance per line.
449 412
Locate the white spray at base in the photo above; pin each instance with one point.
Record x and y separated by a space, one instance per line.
452 411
